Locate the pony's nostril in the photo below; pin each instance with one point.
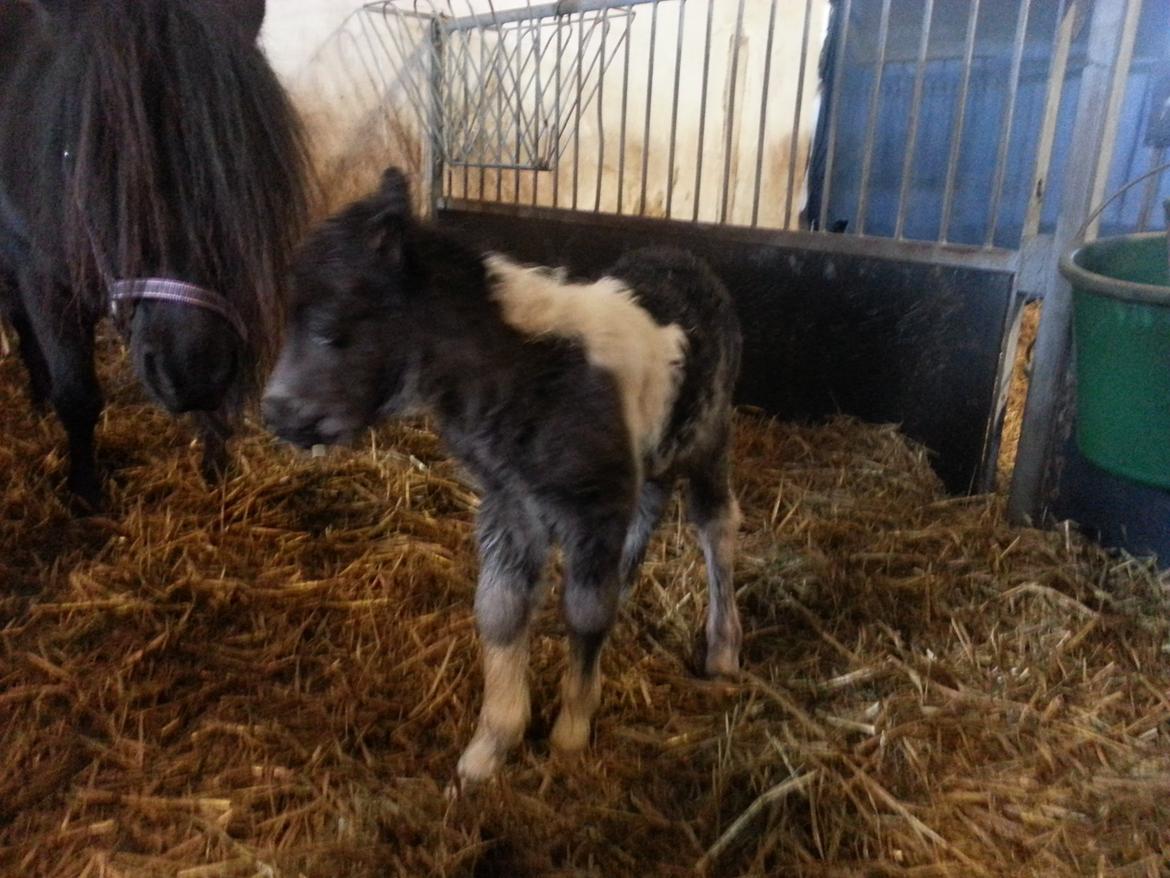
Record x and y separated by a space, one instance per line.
278 411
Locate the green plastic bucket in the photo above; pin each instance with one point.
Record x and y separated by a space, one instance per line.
1121 318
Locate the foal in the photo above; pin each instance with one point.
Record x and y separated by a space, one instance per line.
577 407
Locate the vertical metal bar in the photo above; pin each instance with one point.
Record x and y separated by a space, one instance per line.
483 127
625 100
703 109
948 204
539 114
649 96
730 121
1061 40
556 138
466 38
577 107
871 121
519 111
1153 186
1009 114
915 113
1133 11
834 112
764 111
436 169
682 10
601 116
795 143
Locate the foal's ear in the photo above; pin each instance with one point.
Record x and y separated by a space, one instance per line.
394 192
388 224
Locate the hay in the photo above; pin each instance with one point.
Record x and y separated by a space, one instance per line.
274 678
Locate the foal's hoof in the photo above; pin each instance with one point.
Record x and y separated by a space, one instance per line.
722 663
482 759
570 734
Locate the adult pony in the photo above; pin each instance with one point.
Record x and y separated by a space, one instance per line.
151 167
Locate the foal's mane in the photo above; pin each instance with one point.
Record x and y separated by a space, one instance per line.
185 156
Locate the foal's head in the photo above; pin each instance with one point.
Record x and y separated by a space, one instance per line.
357 326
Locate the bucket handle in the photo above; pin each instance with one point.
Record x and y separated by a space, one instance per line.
1157 169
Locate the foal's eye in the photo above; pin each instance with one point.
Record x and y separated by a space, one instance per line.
326 339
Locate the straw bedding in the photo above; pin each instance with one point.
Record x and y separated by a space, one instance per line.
274 677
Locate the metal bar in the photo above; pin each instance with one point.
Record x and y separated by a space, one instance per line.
834 114
915 113
622 137
601 117
464 145
1061 40
703 108
482 87
556 156
959 123
1153 186
795 142
536 155
545 10
1107 62
649 98
577 109
519 120
764 110
871 121
682 10
1113 109
1009 113
730 121
436 169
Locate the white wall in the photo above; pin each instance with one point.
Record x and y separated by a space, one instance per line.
338 66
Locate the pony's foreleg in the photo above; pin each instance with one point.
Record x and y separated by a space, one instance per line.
39 383
66 343
215 430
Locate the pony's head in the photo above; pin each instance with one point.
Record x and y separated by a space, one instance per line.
183 188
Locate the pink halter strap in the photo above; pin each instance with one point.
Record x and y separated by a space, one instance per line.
123 293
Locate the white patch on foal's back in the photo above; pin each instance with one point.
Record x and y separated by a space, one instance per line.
618 334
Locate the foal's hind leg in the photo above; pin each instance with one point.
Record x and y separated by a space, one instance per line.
593 562
651 503
215 429
716 514
513 546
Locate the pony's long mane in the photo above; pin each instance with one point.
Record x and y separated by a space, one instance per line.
184 155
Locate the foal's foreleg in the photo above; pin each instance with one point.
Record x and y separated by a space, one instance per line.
513 547
593 563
